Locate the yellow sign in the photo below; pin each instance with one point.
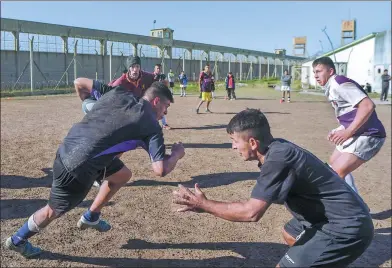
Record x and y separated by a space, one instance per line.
300 40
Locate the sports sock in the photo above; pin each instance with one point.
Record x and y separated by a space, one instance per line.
91 216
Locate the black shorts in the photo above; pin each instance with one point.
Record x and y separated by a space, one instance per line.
70 188
314 247
171 84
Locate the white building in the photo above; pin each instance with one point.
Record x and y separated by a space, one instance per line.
362 60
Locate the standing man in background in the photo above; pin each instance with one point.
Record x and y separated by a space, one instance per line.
230 86
385 85
205 83
183 83
286 82
170 78
160 77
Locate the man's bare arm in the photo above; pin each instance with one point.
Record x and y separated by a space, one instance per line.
83 87
169 162
248 211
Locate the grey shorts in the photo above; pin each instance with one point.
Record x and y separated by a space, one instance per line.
87 105
314 247
70 188
364 147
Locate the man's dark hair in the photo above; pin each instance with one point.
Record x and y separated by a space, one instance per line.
254 122
385 70
326 61
158 65
159 89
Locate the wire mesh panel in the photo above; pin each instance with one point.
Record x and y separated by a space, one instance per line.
119 48
84 46
7 41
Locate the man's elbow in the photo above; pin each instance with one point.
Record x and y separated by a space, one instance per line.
77 83
370 106
254 218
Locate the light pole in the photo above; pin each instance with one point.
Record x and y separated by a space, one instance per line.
153 24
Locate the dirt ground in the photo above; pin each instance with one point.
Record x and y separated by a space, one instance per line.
146 231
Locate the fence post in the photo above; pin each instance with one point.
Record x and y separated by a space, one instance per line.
267 67
275 72
31 64
183 62
110 61
240 69
282 67
75 63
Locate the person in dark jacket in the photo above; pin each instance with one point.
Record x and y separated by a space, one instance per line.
385 85
230 86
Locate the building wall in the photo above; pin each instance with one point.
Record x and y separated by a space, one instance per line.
355 62
365 61
382 58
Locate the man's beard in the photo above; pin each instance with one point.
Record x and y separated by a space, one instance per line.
134 77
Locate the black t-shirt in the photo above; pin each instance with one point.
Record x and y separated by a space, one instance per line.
117 123
159 77
311 190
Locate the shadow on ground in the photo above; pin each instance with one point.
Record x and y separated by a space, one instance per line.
204 181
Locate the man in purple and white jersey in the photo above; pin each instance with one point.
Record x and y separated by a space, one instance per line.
361 134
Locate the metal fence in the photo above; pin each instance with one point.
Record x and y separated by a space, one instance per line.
39 64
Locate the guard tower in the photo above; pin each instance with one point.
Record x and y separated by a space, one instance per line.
164 33
280 51
299 46
348 31
167 42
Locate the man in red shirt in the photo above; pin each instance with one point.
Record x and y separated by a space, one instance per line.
135 79
230 86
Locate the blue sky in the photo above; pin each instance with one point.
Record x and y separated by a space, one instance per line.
260 26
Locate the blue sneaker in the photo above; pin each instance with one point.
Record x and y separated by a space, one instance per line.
26 249
99 225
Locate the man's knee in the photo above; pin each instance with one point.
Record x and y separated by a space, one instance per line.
288 238
339 170
120 177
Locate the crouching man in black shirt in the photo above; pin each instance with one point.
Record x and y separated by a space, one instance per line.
331 225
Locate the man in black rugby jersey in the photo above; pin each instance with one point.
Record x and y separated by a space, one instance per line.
117 123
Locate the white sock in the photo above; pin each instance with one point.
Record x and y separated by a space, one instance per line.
349 179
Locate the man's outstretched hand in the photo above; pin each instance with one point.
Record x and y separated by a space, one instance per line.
190 201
